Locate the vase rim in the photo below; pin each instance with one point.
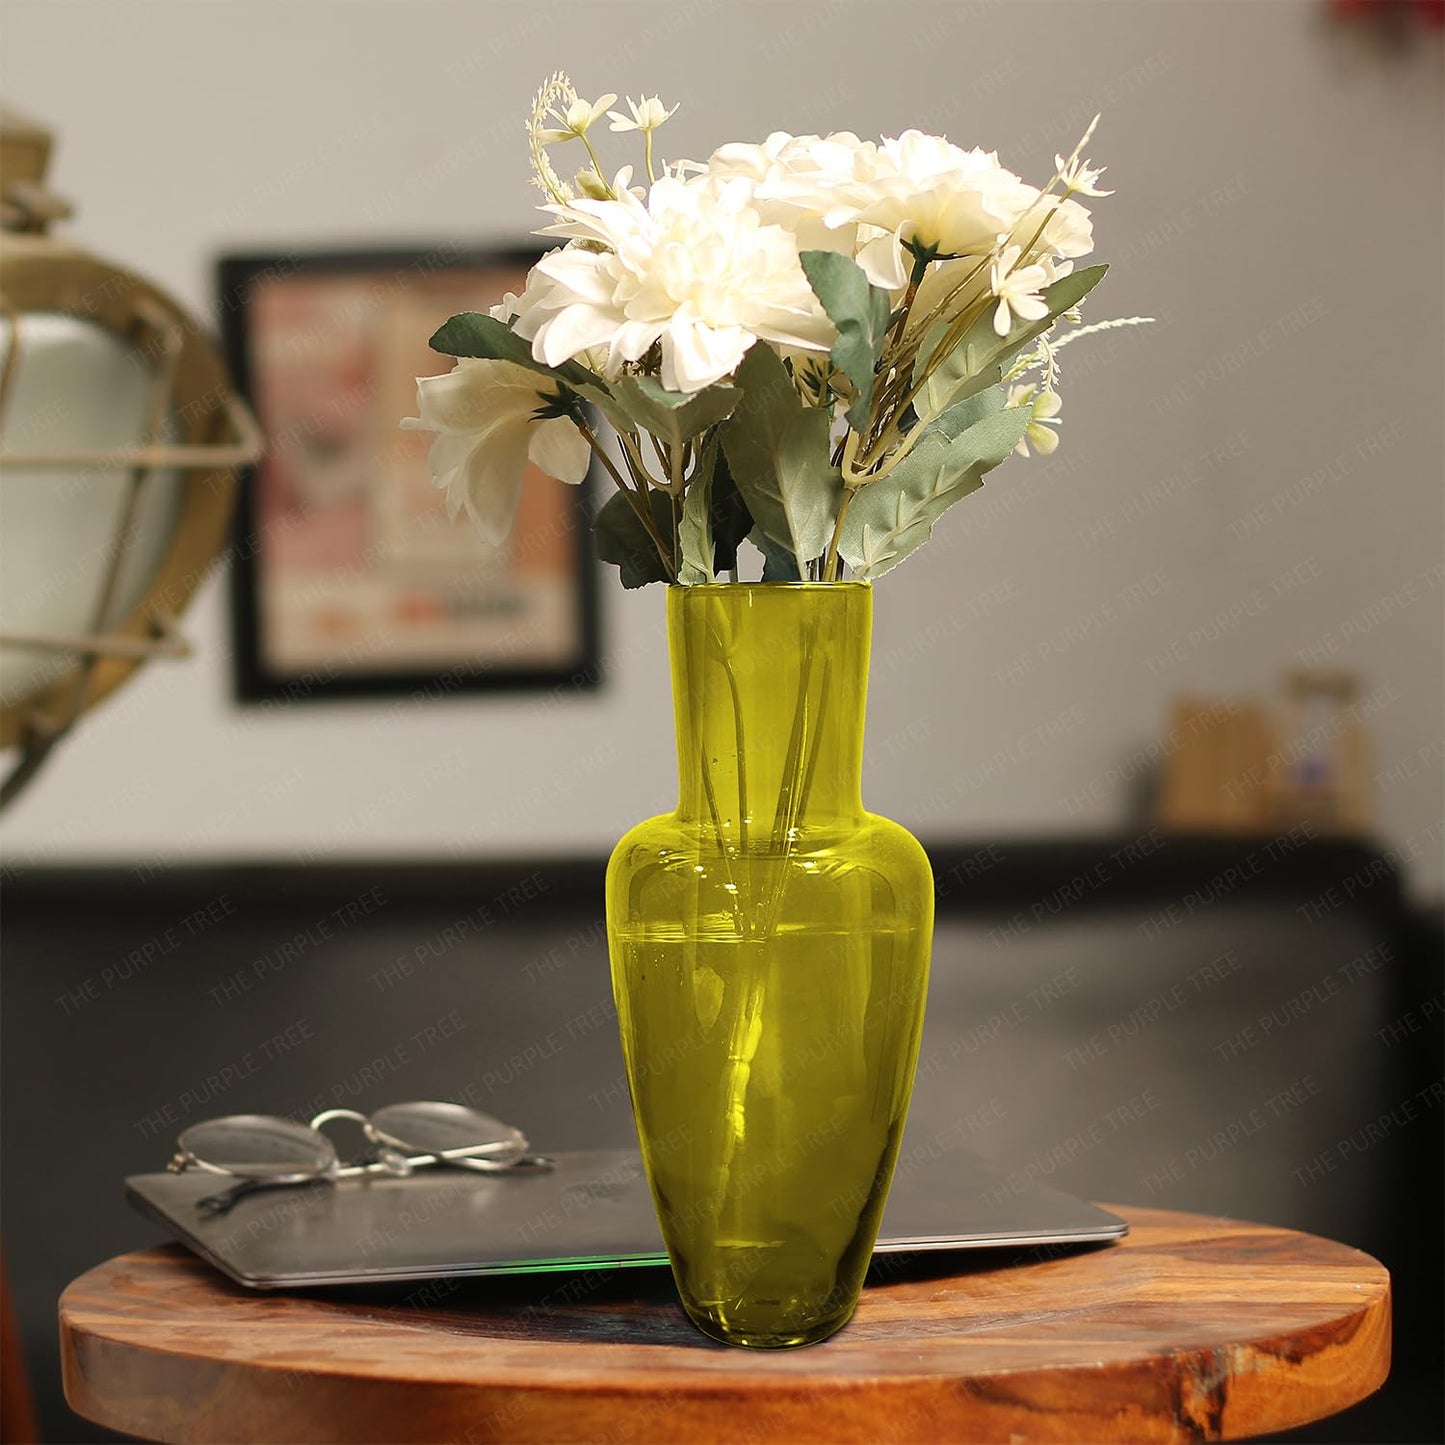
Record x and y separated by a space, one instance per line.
852 585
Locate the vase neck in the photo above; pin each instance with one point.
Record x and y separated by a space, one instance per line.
769 687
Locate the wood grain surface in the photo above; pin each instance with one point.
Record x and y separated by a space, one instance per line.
1192 1328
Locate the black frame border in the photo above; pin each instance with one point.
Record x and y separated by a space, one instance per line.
252 680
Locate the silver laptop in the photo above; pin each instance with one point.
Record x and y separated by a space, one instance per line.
592 1211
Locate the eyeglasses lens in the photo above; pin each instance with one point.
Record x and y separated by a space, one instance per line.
449 1130
259 1146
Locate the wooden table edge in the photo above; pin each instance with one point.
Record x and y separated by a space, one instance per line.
1216 1380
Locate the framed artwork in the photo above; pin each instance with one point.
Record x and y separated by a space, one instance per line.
348 577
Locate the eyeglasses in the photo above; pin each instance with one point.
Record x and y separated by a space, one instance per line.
261 1151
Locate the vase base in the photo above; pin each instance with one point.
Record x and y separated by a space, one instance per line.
764 1339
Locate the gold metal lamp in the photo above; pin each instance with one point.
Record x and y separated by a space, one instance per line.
120 436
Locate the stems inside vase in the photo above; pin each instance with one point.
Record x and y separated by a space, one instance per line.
746 1032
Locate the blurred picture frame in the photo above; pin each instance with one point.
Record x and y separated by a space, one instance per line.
348 578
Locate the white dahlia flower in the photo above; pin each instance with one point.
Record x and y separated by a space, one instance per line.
693 267
928 191
809 185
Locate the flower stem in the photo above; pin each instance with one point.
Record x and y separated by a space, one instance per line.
745 1033
1026 255
831 564
637 500
915 280
638 465
908 351
737 702
597 166
737 900
947 342
1048 190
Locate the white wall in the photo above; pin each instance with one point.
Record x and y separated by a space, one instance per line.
1278 207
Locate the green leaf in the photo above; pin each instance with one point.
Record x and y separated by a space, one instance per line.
475 335
978 359
695 527
778 452
607 404
673 416
860 311
622 539
779 565
889 519
694 534
729 515
956 419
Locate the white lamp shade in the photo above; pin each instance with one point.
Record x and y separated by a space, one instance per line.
77 387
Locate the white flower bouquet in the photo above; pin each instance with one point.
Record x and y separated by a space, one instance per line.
816 345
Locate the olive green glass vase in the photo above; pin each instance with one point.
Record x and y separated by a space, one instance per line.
770 943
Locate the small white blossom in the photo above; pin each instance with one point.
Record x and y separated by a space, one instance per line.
647 114
1017 290
1045 406
1079 177
576 119
484 414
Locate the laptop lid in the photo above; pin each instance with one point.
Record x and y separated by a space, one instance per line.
593 1210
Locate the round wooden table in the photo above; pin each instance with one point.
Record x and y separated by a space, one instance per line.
1192 1328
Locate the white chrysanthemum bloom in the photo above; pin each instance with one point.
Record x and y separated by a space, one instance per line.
647 114
928 191
534 297
693 268
1068 231
485 416
1045 406
805 184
